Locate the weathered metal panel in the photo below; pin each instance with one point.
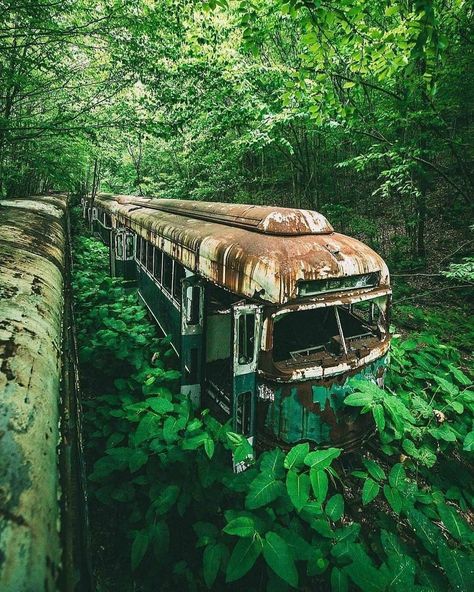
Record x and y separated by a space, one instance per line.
263 267
32 241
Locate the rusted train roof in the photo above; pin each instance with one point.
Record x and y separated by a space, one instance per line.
263 219
32 244
256 265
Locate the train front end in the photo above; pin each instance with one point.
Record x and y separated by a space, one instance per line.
332 331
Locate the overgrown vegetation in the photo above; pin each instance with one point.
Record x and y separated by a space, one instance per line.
394 518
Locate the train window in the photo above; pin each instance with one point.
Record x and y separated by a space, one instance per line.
244 414
129 244
158 261
149 257
246 332
167 272
179 274
119 246
142 251
323 333
193 305
107 220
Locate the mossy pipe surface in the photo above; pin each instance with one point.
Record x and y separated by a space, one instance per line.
32 246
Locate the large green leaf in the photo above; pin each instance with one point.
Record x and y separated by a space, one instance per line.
211 561
322 459
459 568
243 557
424 529
339 580
335 507
456 525
264 489
369 491
297 486
295 457
397 476
242 526
279 557
319 483
139 547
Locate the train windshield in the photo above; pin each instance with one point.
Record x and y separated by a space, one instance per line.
321 335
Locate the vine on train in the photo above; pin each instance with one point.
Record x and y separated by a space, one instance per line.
395 520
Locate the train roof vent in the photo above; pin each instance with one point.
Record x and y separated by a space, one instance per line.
263 219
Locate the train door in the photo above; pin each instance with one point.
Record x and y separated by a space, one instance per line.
246 330
192 338
122 263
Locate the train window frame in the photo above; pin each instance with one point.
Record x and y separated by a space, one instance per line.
158 273
164 271
129 245
149 259
143 252
245 340
177 281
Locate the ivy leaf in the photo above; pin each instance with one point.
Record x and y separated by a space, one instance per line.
457 527
244 555
211 561
374 469
320 484
137 460
147 428
393 498
379 416
424 529
243 526
335 507
279 558
369 491
295 457
263 490
160 405
166 499
459 567
297 486
322 459
139 548
359 399
397 477
468 444
339 580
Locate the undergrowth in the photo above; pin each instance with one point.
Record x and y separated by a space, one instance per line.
393 518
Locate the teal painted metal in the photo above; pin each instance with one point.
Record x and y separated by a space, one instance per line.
165 311
314 411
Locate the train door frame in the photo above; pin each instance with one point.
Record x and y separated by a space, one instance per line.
192 337
244 369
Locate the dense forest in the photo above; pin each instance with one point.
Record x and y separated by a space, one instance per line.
362 110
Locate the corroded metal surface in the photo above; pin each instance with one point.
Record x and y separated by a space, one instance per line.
260 266
31 305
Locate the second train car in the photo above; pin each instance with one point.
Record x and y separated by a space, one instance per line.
269 309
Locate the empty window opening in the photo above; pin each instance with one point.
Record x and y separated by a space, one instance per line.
179 274
193 305
119 246
317 334
246 334
142 251
167 272
149 257
129 244
158 262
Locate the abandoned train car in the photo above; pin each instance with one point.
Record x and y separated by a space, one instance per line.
43 525
270 310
